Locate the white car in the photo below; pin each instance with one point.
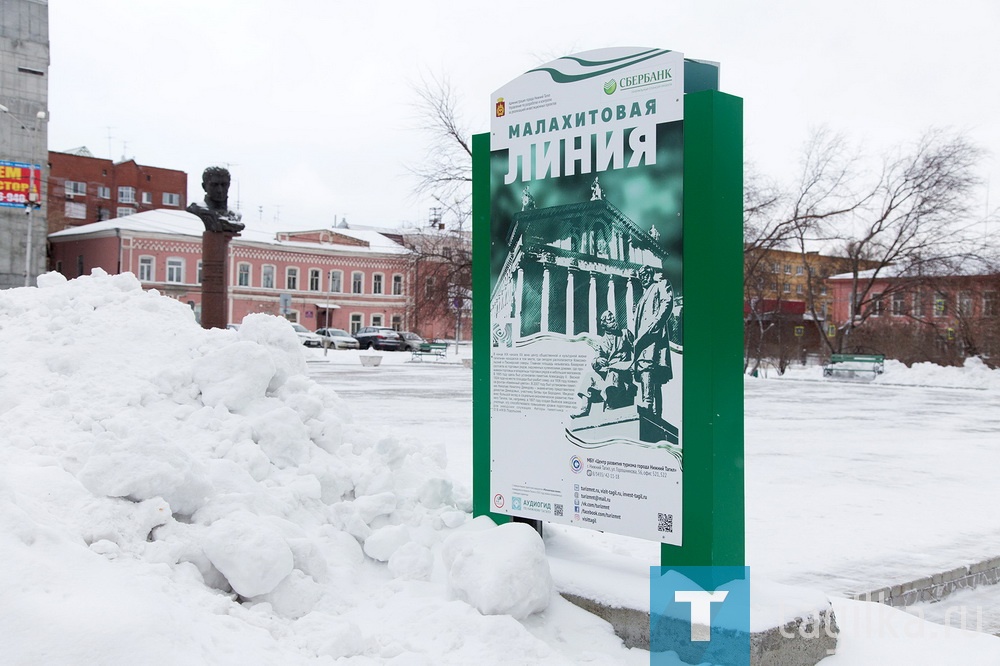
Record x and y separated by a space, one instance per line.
337 338
308 338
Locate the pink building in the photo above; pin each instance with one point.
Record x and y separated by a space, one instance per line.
343 278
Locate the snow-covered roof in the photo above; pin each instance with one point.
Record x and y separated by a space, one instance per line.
967 266
182 223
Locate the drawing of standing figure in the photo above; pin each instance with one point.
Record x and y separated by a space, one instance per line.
652 340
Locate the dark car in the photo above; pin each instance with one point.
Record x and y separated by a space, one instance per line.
379 337
411 341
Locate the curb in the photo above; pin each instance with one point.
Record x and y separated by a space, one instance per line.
936 586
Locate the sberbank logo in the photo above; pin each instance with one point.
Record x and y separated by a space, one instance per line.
645 79
610 87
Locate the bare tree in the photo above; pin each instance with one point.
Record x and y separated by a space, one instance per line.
442 289
446 172
442 252
793 220
916 224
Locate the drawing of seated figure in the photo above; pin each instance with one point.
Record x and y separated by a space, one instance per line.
608 380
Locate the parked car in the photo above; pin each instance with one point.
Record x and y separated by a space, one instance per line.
411 341
337 338
379 337
308 338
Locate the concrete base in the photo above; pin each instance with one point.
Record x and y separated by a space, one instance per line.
803 641
370 361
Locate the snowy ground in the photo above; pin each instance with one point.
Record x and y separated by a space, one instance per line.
174 495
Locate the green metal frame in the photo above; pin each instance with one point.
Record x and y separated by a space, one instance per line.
714 522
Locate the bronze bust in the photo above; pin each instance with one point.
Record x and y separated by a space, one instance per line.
214 211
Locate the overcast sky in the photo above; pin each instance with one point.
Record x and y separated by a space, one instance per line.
311 103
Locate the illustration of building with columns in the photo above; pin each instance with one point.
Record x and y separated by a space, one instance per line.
565 266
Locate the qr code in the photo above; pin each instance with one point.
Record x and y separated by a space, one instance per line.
557 509
665 522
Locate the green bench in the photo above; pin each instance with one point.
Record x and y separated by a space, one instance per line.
439 349
855 366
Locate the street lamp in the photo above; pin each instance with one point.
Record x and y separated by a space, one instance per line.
34 195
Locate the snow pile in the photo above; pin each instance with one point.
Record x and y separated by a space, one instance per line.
974 374
499 570
159 480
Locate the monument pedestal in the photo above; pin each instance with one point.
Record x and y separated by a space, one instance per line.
214 274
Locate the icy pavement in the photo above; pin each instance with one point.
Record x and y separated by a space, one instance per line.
850 487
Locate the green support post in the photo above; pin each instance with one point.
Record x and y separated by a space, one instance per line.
481 463
714 521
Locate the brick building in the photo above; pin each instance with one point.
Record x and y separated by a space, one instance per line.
84 189
343 278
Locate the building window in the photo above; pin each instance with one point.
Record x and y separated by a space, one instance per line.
355 323
940 305
336 281
314 279
397 323
788 269
822 290
965 304
377 283
126 195
291 278
877 307
775 267
76 211
75 187
198 276
798 289
147 268
267 277
175 270
103 214
429 286
798 270
991 306
376 320
147 198
124 212
787 288
243 275
357 282
103 192
918 305
898 304
397 285
170 199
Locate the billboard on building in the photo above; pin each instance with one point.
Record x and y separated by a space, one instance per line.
16 183
586 365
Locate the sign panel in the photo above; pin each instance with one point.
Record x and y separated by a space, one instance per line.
586 298
16 183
